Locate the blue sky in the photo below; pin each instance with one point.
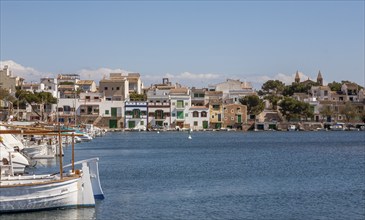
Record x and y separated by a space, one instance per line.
194 43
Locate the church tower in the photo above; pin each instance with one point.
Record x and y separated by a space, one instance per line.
297 78
320 79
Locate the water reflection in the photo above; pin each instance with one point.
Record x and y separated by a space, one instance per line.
73 213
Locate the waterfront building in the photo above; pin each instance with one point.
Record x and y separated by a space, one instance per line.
87 85
8 81
116 88
136 115
197 96
180 104
134 83
234 115
214 101
351 91
198 117
159 104
49 85
233 89
88 107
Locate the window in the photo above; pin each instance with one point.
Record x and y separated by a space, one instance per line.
107 112
105 88
159 114
216 107
142 122
203 114
195 114
136 113
180 104
195 123
118 88
180 115
186 114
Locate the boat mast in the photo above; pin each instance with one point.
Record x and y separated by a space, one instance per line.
73 152
60 149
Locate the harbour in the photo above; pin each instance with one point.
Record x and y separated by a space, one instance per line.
220 175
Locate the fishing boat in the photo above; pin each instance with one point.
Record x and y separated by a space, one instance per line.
292 128
71 188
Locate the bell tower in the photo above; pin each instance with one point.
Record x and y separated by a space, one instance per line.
320 79
297 78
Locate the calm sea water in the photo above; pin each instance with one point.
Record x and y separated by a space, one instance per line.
224 175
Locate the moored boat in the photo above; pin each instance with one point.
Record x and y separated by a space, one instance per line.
38 192
74 188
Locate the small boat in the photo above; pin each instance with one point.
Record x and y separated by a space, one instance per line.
337 127
292 128
39 192
76 187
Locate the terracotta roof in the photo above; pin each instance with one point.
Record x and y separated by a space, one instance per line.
179 91
199 107
66 87
85 82
351 85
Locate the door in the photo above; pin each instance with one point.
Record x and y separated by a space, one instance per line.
131 124
239 118
114 112
205 124
112 123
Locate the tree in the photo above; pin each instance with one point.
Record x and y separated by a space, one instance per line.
298 88
273 87
274 100
137 97
349 111
39 98
5 95
335 86
8 99
326 111
292 108
254 104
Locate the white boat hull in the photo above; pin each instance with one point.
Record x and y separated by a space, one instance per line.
38 192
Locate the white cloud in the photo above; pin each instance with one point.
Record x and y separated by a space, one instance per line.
185 78
285 78
98 74
28 73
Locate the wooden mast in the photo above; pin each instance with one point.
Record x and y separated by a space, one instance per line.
60 150
73 153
